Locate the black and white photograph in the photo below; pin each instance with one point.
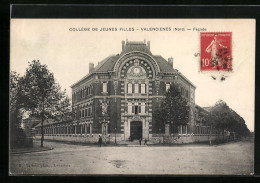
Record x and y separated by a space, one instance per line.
132 96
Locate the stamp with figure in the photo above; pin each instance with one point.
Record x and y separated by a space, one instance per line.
216 51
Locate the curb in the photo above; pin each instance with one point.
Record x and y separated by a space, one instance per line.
22 152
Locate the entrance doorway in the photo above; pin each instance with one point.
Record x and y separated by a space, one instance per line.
136 129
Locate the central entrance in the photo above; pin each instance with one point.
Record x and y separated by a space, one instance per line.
136 129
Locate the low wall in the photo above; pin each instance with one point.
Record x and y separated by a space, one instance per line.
184 138
80 138
154 139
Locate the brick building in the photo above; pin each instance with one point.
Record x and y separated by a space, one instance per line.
118 96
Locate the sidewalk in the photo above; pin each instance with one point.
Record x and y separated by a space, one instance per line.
36 148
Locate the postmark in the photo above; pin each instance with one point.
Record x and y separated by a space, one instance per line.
216 51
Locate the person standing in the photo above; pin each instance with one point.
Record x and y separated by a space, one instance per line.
140 141
145 142
99 141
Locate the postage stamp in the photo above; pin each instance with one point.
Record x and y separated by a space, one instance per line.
216 51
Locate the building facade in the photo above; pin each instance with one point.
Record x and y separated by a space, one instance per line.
117 98
119 95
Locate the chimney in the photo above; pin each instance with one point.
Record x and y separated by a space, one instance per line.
148 44
170 61
123 44
91 67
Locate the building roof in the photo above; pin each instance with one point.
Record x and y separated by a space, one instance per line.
108 63
51 122
163 64
135 46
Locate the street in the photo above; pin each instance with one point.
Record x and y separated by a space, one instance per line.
230 158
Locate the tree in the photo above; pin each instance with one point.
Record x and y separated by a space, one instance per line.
42 96
16 111
224 118
174 108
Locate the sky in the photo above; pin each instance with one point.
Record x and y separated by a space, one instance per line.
67 52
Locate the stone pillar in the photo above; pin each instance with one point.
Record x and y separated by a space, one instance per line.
85 129
186 129
80 129
167 129
181 129
67 129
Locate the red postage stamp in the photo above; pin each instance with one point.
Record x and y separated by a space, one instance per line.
216 51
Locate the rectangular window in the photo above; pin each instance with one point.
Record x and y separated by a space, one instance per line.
129 88
143 88
129 109
136 109
136 88
104 87
88 128
167 86
143 108
90 111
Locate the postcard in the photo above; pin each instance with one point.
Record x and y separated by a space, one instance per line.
132 96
